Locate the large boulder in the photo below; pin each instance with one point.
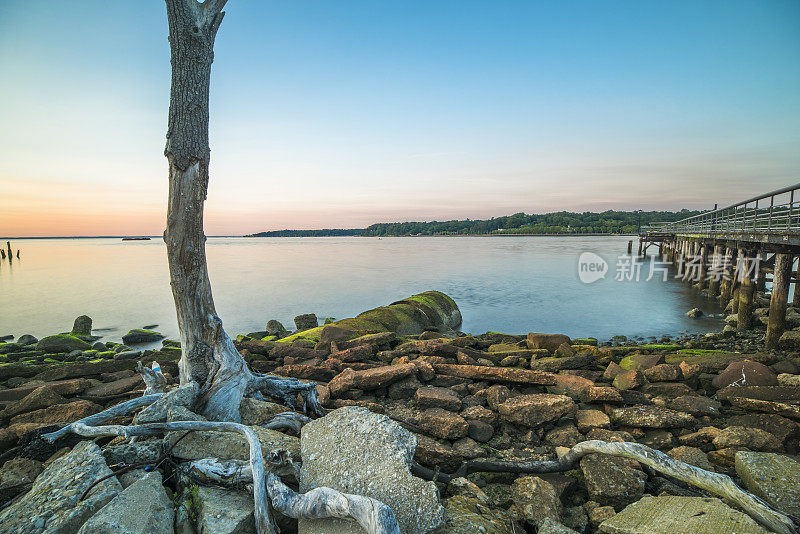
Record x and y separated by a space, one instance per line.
356 451
52 504
535 410
61 343
773 477
680 515
141 508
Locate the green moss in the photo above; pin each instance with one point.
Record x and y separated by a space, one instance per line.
503 347
61 343
585 341
715 359
656 346
311 335
703 351
109 354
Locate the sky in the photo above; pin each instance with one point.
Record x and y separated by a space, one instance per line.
342 114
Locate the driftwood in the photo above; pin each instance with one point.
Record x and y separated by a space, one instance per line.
287 421
263 515
372 515
721 485
154 379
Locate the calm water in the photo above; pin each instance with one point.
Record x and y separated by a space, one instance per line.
509 284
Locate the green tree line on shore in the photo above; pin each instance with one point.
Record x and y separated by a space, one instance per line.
561 222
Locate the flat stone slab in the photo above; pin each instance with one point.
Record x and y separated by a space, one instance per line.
52 504
680 515
141 508
359 452
773 477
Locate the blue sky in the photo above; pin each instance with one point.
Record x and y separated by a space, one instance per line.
340 114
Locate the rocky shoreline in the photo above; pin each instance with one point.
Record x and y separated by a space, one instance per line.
408 408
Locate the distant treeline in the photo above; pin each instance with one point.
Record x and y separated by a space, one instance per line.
326 232
562 222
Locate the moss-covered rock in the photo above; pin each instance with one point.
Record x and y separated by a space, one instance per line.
140 335
431 310
61 343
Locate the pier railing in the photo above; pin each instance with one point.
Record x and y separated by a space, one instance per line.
764 217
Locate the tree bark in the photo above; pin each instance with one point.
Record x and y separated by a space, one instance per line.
209 356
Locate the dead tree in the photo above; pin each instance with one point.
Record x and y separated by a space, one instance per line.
209 357
210 365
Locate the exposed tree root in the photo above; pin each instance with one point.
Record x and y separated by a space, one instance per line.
287 389
263 514
373 516
122 408
287 421
715 483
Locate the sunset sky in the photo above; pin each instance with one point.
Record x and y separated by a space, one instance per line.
345 113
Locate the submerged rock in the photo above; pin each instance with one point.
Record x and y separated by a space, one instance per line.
82 326
356 451
139 335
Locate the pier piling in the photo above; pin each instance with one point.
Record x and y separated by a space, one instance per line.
780 296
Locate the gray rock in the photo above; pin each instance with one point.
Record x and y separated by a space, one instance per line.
550 526
536 499
52 503
468 514
275 328
611 481
131 453
773 477
356 451
306 321
680 515
141 508
225 511
82 326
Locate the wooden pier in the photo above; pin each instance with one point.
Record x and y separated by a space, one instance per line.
733 250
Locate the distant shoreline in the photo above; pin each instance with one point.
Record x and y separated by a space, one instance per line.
156 237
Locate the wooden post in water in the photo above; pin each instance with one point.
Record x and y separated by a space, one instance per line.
796 276
640 246
761 276
726 283
630 246
776 322
716 264
702 283
747 289
10 255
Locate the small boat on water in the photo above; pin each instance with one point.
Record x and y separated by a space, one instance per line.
136 239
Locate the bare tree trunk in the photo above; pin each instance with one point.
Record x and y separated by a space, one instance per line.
209 357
